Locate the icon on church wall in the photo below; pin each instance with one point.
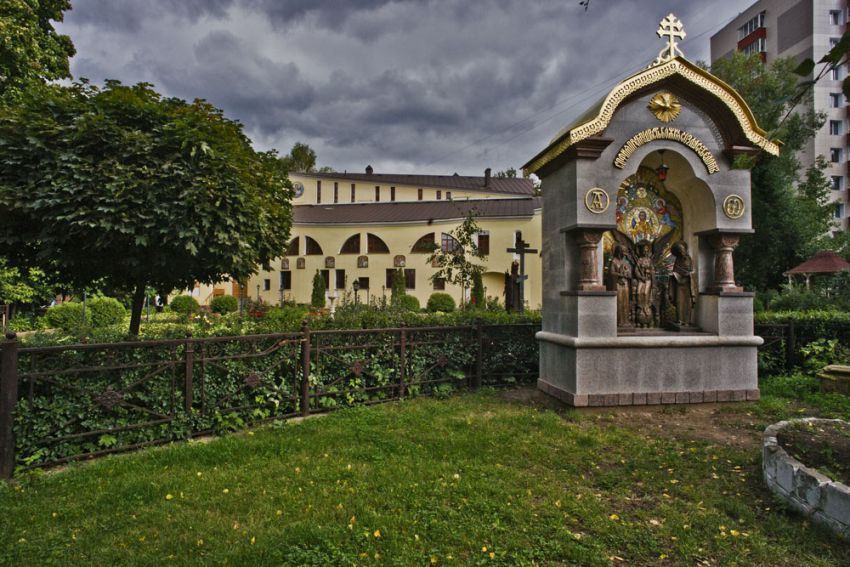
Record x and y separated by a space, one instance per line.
330 263
399 261
284 264
300 263
298 189
363 261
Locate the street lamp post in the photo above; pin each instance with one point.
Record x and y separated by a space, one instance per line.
356 286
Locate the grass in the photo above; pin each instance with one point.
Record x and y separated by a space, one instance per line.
472 480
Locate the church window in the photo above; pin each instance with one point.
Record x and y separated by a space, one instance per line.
313 248
267 284
286 280
377 193
439 284
425 245
439 194
448 243
352 192
340 279
484 242
292 249
318 191
419 194
374 245
336 192
392 193
352 245
409 278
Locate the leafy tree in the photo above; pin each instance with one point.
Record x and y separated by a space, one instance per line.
301 159
509 173
788 209
317 298
454 264
30 48
128 189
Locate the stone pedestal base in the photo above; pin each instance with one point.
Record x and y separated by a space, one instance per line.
643 370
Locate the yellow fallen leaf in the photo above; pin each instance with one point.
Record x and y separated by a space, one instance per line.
614 517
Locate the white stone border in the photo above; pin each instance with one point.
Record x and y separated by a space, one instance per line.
806 490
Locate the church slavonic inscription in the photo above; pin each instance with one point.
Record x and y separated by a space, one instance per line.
666 133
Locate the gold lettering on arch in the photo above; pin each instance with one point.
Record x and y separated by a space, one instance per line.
666 133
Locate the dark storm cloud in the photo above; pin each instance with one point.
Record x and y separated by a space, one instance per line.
436 85
130 15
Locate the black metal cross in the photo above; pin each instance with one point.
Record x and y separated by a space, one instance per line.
521 249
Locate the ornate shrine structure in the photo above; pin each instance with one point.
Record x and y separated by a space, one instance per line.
643 208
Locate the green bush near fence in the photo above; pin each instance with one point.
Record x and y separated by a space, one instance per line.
184 305
441 302
224 304
104 311
67 316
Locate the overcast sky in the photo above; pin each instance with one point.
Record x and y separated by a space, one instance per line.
409 86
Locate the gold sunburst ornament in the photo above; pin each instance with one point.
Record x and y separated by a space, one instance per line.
665 106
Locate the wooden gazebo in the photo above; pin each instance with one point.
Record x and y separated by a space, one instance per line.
824 262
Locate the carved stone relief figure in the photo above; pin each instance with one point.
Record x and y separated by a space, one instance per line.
683 285
644 283
619 280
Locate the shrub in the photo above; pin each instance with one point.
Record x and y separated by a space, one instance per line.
798 300
224 304
66 316
317 298
441 302
409 303
477 294
397 289
185 305
104 311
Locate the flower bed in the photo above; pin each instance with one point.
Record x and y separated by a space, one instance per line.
809 491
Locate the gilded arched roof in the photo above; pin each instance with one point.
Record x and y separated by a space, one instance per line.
597 118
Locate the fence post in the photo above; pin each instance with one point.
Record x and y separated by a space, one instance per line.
402 361
188 384
791 347
479 356
305 369
8 401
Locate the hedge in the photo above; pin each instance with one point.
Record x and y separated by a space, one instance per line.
239 390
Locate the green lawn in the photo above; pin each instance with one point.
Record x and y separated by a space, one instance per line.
471 480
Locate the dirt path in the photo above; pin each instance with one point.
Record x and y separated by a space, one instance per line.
727 424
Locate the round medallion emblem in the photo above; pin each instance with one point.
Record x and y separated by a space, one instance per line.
596 200
733 206
298 188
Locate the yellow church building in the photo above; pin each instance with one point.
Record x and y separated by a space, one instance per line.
362 226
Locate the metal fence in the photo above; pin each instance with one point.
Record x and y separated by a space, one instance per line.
68 402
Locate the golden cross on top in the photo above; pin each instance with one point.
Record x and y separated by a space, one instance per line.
671 27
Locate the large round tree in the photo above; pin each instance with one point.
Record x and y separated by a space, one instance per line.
125 188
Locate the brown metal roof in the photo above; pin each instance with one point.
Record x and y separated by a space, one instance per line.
505 185
413 211
824 262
